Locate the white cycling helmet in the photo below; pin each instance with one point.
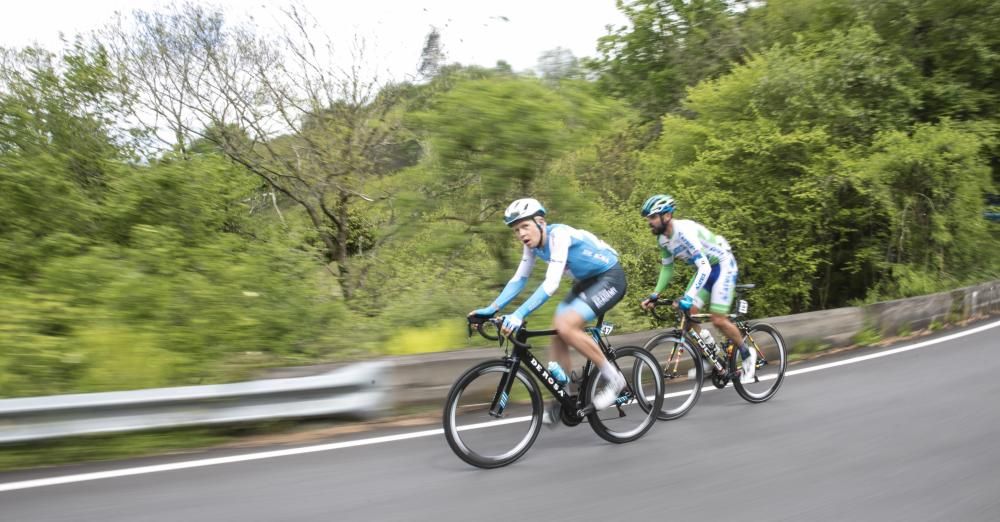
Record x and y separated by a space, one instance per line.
522 209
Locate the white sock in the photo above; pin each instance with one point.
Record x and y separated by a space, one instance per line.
609 372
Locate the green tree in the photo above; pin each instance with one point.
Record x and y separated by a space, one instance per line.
668 46
493 140
953 45
933 180
60 141
764 163
310 130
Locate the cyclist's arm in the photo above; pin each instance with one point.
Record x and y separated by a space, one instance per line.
516 283
666 270
559 247
700 261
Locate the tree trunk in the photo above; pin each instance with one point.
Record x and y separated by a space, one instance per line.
342 245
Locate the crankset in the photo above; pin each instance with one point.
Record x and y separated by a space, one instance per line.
569 418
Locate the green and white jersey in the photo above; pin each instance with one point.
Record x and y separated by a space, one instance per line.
690 240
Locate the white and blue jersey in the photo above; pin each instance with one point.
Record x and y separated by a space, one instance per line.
582 253
566 249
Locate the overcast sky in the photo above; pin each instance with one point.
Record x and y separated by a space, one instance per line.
473 31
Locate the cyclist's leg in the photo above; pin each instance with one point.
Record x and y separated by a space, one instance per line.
558 349
588 299
559 352
724 325
569 325
722 301
722 293
702 296
594 297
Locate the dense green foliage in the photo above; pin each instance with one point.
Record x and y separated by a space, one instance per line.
116 274
845 149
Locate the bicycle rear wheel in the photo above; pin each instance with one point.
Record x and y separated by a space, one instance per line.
628 420
772 358
683 375
477 437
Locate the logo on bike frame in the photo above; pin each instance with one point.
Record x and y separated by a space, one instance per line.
545 376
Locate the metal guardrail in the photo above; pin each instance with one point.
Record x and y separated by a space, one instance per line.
359 390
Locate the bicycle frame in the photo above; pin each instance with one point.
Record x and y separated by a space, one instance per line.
712 355
717 357
522 353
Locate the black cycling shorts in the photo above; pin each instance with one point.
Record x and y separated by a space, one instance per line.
596 295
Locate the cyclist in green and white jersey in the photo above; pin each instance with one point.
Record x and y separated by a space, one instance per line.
715 280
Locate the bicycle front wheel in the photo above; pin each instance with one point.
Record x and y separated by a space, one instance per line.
627 420
474 434
683 375
772 358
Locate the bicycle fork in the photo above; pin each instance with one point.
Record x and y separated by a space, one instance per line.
502 395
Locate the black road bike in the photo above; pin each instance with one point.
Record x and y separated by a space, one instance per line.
494 410
686 358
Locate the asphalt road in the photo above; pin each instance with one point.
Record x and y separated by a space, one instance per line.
913 435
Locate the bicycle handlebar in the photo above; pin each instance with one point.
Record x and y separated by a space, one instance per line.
740 289
479 322
680 314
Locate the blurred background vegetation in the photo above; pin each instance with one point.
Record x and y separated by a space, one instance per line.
184 200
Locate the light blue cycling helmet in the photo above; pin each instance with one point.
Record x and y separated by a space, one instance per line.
658 204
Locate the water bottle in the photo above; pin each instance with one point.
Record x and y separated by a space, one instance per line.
557 373
707 337
713 351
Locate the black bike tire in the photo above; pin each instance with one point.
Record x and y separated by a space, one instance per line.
672 337
451 431
783 356
594 418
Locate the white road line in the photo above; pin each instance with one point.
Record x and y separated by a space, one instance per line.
143 470
894 351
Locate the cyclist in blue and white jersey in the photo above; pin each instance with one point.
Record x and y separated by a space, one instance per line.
599 285
715 279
